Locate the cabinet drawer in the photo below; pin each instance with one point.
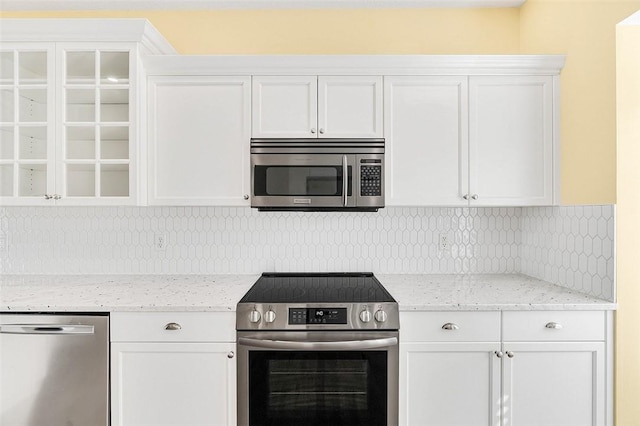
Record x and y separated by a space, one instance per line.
462 326
185 327
553 325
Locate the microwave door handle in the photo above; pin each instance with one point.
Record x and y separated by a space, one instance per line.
345 180
348 345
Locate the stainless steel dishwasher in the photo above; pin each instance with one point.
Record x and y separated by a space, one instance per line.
54 370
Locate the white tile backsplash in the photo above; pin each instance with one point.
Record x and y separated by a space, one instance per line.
208 240
571 246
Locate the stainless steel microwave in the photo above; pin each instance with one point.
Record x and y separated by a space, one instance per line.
317 174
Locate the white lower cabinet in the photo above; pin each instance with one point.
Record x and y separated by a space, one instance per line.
553 383
173 369
453 370
449 383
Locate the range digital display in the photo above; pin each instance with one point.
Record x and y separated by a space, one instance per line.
304 316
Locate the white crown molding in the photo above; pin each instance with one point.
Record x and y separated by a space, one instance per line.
44 5
354 64
92 30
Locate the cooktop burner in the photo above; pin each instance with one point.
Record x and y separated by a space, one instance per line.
358 287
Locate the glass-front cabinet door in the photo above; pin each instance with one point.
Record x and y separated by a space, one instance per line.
95 150
27 120
66 124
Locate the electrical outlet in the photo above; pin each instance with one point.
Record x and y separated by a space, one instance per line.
161 242
443 242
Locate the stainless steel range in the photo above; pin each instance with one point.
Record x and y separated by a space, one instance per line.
317 349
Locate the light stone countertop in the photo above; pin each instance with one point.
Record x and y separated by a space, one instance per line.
485 292
110 293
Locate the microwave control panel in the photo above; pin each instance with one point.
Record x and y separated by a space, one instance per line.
370 178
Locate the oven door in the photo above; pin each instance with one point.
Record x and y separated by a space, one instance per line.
317 378
303 180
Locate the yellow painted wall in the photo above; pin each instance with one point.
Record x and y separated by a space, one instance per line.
628 216
371 31
585 32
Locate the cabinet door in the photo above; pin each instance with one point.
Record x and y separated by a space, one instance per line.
173 384
449 384
350 107
27 124
511 140
97 104
199 140
284 107
554 384
426 140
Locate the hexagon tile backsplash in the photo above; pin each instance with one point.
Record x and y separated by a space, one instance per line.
557 244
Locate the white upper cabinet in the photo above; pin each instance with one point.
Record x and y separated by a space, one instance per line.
350 107
511 140
27 120
285 107
199 130
426 140
316 107
476 141
70 121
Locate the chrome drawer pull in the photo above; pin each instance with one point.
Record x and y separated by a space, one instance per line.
172 326
450 326
555 325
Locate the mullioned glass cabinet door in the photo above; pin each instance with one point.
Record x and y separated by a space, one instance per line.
95 155
26 124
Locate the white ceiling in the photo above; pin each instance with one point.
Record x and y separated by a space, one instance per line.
44 5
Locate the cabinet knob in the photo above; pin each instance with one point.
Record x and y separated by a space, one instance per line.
231 354
554 325
313 130
321 130
499 354
48 197
510 354
246 197
474 197
56 196
172 326
465 196
451 326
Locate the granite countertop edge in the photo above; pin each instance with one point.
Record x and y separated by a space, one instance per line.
221 293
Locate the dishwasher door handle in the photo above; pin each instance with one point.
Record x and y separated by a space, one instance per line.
330 346
46 329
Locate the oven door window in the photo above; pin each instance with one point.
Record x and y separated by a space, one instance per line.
309 181
317 388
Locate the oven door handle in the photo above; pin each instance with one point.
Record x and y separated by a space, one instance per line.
329 346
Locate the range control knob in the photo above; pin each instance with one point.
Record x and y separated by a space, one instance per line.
380 315
365 316
254 316
270 316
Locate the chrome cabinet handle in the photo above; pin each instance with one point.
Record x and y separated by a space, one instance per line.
554 325
46 329
345 180
499 354
451 326
474 197
172 326
321 131
231 354
465 196
313 130
510 354
327 346
246 197
48 197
